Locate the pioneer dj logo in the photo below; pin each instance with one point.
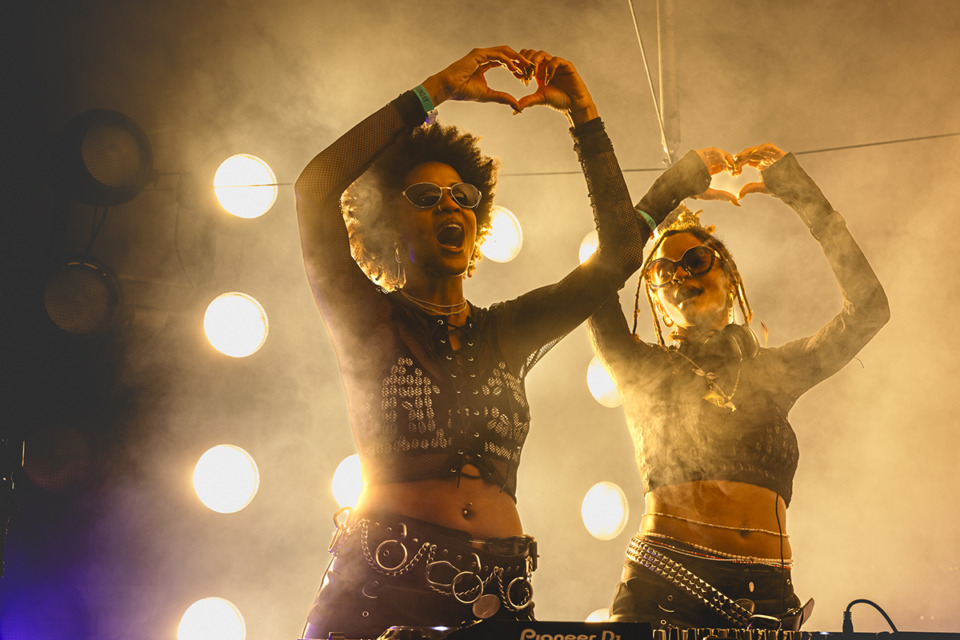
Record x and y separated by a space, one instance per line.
531 634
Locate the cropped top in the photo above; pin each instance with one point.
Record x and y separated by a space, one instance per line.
680 437
418 409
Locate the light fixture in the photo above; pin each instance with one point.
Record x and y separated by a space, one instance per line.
245 186
236 324
505 238
226 478
347 482
601 385
82 297
103 158
604 510
588 246
212 619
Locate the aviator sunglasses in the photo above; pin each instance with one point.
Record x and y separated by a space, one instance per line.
426 194
696 261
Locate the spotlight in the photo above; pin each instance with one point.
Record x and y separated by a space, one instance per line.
236 324
103 158
245 186
601 385
226 478
604 510
347 484
82 297
588 246
212 618
505 239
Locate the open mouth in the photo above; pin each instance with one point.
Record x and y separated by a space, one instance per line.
686 292
451 236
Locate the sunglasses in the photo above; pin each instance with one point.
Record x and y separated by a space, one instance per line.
696 261
426 194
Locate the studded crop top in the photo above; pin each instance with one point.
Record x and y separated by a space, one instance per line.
678 436
418 409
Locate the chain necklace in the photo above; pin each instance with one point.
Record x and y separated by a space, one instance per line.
715 395
437 309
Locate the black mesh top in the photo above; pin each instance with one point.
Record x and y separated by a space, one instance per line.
678 436
418 410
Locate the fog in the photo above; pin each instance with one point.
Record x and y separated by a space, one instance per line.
874 512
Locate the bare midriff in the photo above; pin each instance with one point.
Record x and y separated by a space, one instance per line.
466 503
731 517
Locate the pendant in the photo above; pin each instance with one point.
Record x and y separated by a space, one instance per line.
718 399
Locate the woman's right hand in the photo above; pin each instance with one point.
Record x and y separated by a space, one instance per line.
464 79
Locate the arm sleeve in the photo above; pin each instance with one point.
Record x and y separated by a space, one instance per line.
810 360
535 321
339 286
612 340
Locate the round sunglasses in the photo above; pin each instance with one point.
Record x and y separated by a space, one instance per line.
426 194
696 261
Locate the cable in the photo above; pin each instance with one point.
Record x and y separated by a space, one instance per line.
848 619
796 153
646 68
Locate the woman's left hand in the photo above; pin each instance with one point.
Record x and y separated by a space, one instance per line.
560 86
759 157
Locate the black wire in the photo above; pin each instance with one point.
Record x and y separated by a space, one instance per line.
875 606
796 153
95 227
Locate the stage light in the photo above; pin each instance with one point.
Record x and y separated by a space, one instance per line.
600 615
245 186
601 385
82 297
347 482
226 478
236 324
505 239
604 510
103 158
588 246
212 619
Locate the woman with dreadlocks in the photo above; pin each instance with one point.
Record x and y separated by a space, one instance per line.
391 215
708 414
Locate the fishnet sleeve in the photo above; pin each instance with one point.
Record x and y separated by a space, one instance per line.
810 360
341 289
535 321
612 339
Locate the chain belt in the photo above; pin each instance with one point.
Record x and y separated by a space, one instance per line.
679 576
399 553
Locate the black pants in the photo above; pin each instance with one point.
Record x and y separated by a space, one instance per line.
398 571
644 596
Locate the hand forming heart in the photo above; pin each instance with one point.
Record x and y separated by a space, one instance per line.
718 161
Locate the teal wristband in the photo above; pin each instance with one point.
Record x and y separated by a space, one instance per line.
425 98
649 220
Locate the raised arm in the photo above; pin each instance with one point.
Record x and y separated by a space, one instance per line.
612 339
339 285
865 307
535 321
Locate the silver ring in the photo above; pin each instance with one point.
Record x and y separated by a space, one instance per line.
509 597
478 588
376 555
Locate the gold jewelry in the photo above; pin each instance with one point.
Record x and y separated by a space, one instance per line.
715 395
437 309
715 526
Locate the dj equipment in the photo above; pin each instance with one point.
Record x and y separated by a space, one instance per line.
547 630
